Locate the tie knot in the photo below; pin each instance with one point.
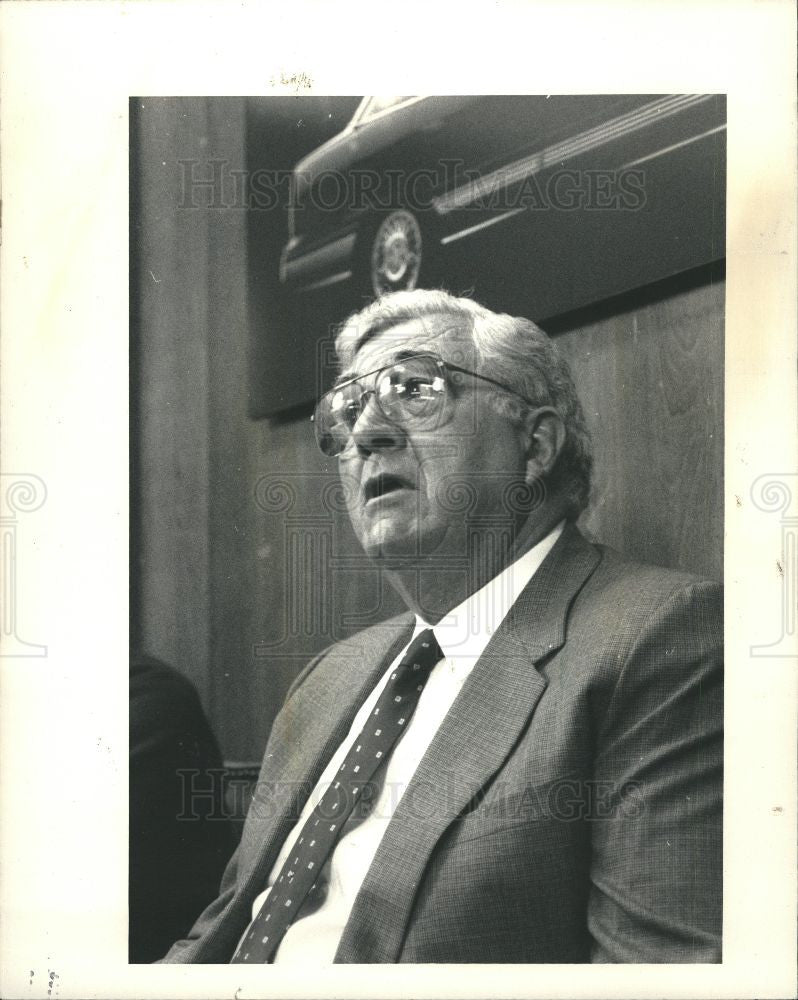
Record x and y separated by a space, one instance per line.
421 656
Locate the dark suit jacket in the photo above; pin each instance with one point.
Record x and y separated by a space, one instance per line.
567 810
175 865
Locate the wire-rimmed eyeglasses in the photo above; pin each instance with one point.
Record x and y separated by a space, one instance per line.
409 392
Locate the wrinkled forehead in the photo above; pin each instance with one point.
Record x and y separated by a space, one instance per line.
444 335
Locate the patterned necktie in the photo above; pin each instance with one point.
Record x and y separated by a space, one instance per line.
382 731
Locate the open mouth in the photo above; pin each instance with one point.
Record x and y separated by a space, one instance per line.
384 485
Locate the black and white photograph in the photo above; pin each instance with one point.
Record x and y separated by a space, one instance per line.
427 508
429 462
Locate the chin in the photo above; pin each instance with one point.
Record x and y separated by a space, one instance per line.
397 549
388 550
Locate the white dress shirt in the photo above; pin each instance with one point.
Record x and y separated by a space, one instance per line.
462 635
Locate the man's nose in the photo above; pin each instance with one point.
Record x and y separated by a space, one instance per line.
373 431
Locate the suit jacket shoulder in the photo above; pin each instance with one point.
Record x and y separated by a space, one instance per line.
359 646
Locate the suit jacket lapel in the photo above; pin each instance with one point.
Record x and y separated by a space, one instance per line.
304 737
478 733
307 733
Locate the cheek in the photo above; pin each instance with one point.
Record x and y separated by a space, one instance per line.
437 479
448 498
481 482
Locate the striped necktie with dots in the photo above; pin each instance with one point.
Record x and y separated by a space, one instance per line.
382 731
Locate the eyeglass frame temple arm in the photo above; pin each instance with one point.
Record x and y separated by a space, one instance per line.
441 361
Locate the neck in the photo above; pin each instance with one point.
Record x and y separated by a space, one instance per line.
430 589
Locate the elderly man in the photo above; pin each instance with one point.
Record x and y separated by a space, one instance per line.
527 767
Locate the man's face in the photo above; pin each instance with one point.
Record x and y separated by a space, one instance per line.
410 491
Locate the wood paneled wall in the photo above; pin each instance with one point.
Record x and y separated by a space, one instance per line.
651 381
243 566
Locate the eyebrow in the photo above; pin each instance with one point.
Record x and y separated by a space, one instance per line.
401 355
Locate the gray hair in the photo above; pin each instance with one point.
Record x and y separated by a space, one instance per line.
511 349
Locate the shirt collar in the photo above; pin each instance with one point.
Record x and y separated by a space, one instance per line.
466 630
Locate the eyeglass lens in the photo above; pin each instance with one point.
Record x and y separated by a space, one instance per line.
408 392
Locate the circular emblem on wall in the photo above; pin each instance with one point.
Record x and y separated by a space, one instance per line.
396 253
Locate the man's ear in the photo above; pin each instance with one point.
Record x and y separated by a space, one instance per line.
544 433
